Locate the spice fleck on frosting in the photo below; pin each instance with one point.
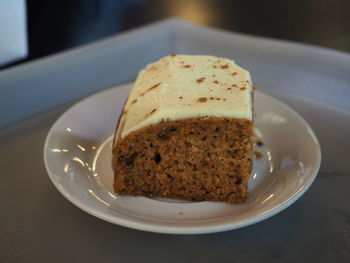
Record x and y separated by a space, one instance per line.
203 99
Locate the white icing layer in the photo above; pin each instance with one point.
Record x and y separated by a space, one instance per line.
183 86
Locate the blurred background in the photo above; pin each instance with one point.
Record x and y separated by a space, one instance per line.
57 25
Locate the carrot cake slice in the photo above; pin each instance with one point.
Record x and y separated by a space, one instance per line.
186 131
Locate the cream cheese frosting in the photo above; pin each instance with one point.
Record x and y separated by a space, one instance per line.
186 86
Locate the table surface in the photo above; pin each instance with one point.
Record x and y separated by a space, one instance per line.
314 229
55 26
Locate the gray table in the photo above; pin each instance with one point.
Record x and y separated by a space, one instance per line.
37 224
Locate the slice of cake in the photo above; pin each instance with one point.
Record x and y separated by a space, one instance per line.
186 131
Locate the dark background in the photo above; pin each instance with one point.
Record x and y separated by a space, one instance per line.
57 25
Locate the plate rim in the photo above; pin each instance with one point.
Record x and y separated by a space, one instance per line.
184 230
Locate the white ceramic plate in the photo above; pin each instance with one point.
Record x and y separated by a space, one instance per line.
77 156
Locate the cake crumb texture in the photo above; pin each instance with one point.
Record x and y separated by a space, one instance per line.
197 159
